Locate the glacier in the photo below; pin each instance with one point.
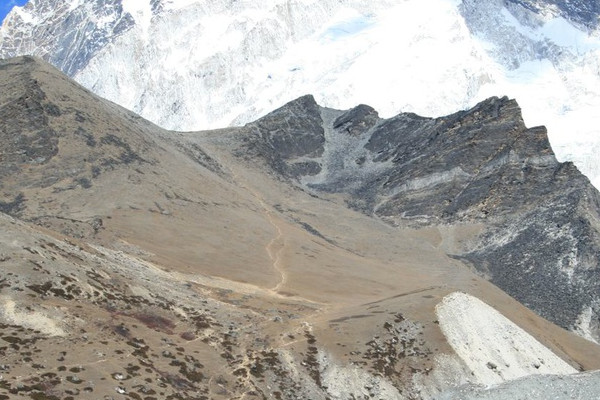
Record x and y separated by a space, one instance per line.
192 65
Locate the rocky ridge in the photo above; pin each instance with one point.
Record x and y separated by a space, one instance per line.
171 63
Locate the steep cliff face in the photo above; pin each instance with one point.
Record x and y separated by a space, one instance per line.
541 236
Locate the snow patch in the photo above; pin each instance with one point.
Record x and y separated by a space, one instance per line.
495 349
26 17
141 11
177 4
556 30
75 4
348 22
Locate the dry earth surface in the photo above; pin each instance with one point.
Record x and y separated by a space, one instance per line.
137 263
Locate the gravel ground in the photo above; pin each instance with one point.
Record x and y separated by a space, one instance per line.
582 386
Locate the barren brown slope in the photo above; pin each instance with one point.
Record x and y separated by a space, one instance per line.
139 263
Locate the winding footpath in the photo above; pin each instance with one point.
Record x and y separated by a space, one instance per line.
276 246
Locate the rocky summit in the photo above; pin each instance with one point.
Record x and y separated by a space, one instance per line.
311 254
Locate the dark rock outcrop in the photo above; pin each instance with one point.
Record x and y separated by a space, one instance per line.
45 122
290 137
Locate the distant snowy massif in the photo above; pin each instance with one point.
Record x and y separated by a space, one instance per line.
192 65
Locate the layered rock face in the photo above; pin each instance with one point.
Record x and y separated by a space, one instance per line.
540 235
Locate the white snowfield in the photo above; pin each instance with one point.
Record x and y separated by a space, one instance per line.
198 65
495 349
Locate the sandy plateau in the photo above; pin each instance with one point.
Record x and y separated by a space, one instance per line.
143 264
